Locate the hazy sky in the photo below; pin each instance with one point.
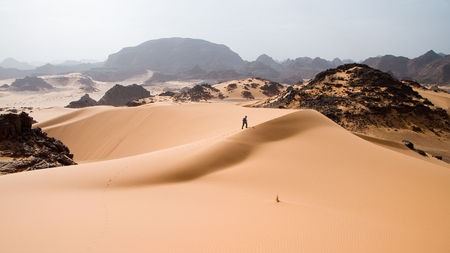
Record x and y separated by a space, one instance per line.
47 30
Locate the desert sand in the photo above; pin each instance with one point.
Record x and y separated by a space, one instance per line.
440 99
185 178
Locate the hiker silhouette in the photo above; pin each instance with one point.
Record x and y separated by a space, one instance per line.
244 122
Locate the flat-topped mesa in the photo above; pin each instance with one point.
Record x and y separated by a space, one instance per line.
25 148
357 97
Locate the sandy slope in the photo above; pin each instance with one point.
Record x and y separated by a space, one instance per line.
118 132
338 192
440 99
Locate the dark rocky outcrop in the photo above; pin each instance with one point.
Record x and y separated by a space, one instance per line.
121 95
200 92
411 146
167 94
24 148
247 94
412 83
357 97
30 84
84 101
231 86
272 89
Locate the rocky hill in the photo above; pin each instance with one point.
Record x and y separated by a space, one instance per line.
121 95
200 92
357 97
235 90
84 101
30 84
24 148
249 88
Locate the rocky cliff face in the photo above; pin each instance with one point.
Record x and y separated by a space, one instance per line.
23 148
357 96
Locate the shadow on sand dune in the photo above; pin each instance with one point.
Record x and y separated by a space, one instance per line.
229 152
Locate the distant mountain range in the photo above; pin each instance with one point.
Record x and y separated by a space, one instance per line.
11 63
182 59
428 68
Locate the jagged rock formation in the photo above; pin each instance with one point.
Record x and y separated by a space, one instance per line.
121 95
200 92
357 96
30 84
84 101
23 148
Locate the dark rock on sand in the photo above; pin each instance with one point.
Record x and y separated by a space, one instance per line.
84 101
121 95
23 148
200 92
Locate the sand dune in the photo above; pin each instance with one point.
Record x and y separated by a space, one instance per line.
108 133
212 188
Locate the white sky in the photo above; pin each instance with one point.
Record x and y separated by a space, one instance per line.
48 30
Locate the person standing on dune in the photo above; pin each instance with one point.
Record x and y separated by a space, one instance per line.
244 122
